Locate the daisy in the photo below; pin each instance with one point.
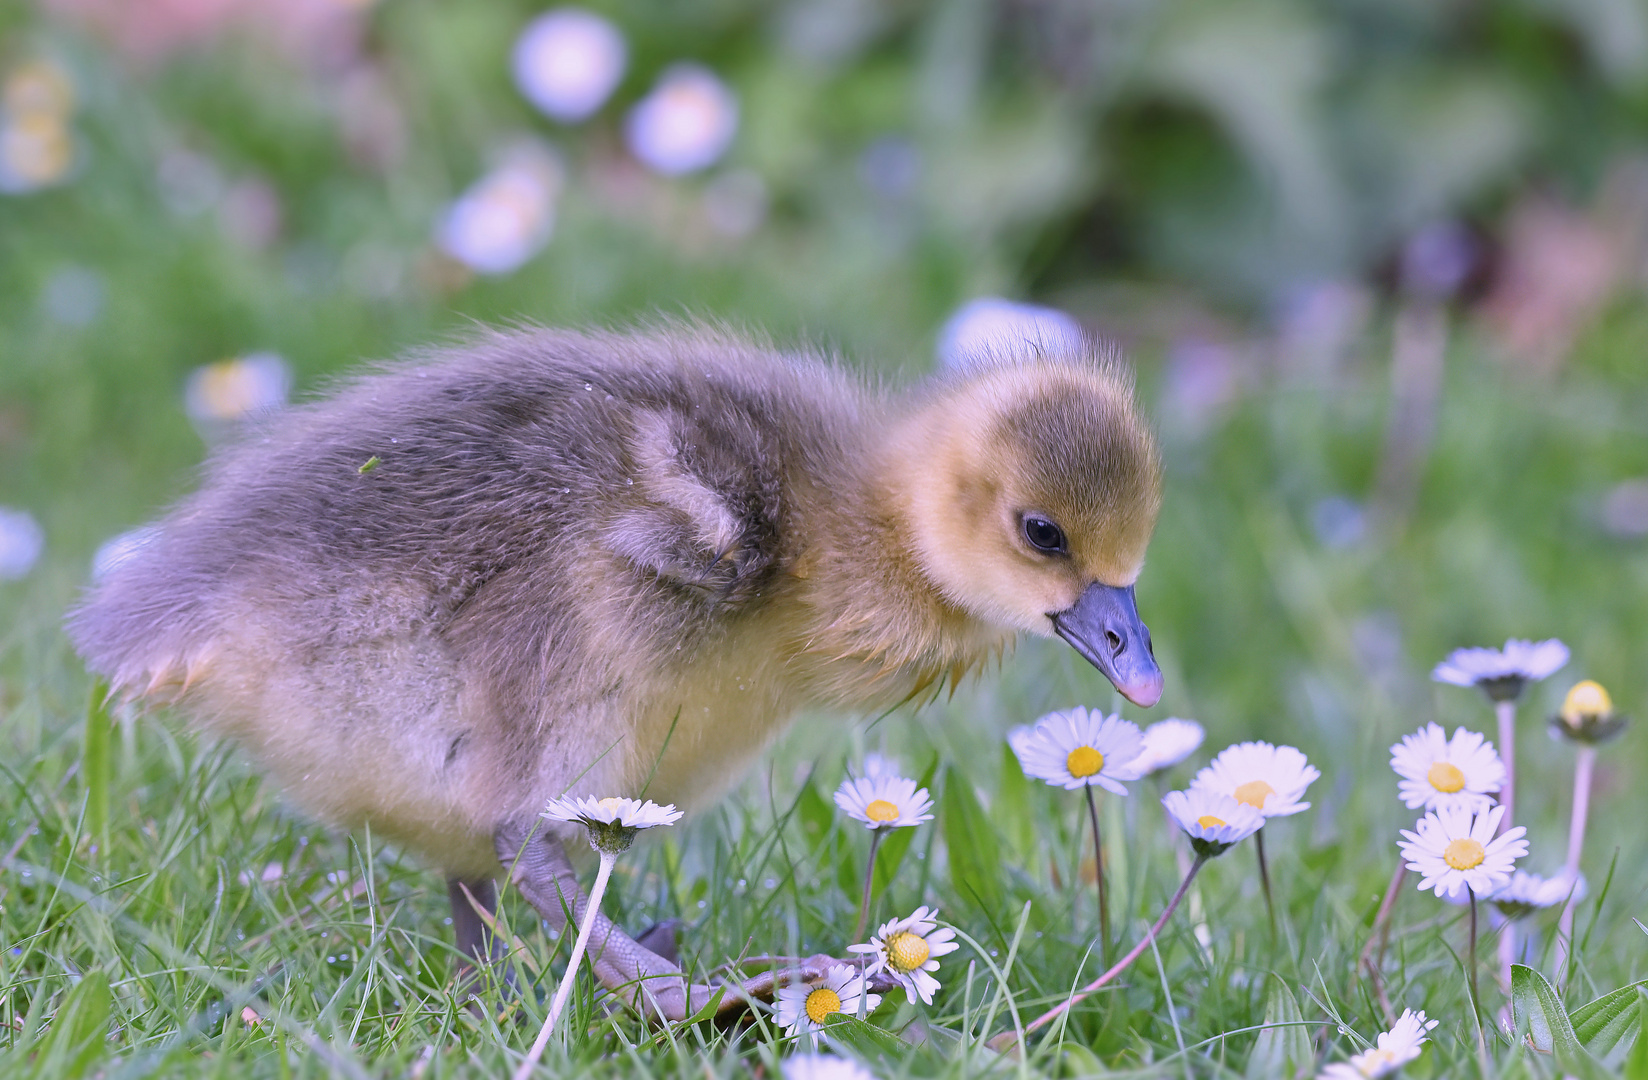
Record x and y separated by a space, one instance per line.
824 1067
612 825
568 62
907 949
1526 893
21 542
221 395
1394 1049
1166 743
884 800
1268 778
1077 748
1458 773
1452 848
507 216
685 123
803 1009
1587 715
1502 673
1213 821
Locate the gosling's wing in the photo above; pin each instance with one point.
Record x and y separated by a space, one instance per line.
704 508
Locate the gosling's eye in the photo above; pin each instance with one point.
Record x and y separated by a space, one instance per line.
1043 535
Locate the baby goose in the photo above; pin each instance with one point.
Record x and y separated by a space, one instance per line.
613 562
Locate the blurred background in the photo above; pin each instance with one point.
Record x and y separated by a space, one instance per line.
1380 263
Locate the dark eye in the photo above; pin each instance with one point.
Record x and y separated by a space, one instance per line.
1043 535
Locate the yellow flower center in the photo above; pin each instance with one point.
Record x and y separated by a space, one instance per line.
1208 821
821 1003
881 810
1587 698
1446 777
1463 854
1254 793
1084 761
609 804
906 952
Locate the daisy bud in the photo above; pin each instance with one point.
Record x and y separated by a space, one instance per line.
1587 715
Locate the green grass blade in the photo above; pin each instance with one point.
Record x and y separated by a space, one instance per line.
96 769
975 855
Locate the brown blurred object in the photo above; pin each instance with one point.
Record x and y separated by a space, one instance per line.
1562 265
321 33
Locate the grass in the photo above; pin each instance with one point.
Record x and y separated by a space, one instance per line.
153 889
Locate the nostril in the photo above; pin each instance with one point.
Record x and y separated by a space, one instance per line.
1116 642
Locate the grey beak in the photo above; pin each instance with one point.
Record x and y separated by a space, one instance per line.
1103 625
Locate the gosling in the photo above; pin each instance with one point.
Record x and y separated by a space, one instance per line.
602 563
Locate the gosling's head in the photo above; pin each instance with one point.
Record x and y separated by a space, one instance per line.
1031 486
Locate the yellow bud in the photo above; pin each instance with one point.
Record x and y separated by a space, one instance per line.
1587 698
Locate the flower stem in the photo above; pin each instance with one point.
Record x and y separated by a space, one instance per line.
565 989
1264 879
869 879
1098 872
1506 712
1476 997
1584 765
1120 966
1373 953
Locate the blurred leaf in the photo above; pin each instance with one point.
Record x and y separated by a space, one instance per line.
1603 1024
865 1038
1012 804
95 765
969 836
1538 1013
896 846
75 1038
1636 1066
1285 1049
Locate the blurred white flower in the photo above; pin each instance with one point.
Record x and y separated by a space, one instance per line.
1526 893
567 63
803 1009
21 542
1079 747
907 949
507 216
685 124
1268 778
118 549
824 1067
990 325
1452 850
884 801
1166 743
1393 1049
38 88
224 393
35 152
1459 773
1213 821
1502 673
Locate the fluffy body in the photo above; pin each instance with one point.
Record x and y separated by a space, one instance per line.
605 563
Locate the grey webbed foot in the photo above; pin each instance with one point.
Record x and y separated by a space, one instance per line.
660 939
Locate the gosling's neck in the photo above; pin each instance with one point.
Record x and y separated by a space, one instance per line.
881 624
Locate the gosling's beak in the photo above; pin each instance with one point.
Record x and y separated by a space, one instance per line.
1103 625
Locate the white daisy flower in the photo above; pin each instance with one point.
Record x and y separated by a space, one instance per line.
1268 778
1526 893
884 801
803 1009
1393 1049
1462 772
568 61
1213 821
1502 673
507 216
824 1067
229 391
989 326
1452 849
1079 747
909 948
685 124
21 542
1166 743
612 822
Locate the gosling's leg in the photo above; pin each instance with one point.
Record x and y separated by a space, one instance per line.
654 986
478 946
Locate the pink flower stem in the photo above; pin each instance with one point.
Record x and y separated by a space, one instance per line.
1120 966
1506 711
1584 765
869 880
1098 872
1476 996
565 989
